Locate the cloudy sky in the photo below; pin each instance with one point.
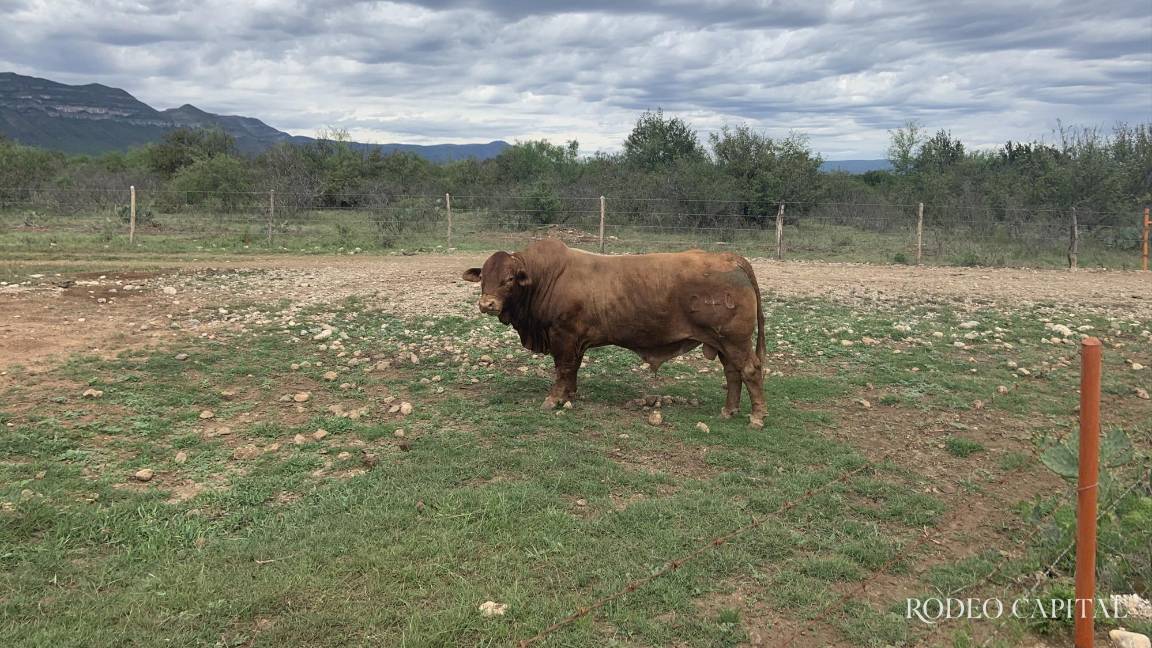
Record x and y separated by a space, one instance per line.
474 70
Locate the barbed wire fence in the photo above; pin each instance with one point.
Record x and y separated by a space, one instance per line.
911 233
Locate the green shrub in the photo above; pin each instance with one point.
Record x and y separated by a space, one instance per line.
961 447
218 183
144 216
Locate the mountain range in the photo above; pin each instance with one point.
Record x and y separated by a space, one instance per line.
94 119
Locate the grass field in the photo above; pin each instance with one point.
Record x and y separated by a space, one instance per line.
252 531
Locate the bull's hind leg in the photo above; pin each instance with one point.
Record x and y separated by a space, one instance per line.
733 383
742 368
753 376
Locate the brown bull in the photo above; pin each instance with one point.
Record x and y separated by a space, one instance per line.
564 302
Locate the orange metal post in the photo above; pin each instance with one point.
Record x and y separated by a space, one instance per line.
1090 353
1144 254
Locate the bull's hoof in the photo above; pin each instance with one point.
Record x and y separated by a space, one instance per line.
726 413
549 403
756 421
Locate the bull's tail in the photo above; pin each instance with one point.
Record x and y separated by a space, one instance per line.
747 268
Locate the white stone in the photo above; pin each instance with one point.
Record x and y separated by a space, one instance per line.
1125 639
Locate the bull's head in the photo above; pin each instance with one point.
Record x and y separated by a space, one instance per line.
501 279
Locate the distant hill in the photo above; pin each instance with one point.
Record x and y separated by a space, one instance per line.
94 119
856 166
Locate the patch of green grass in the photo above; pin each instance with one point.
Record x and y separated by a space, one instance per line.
728 616
866 626
961 447
1014 460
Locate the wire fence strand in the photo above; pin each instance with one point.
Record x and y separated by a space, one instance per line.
867 230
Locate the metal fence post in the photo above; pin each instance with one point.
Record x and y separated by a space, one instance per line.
132 215
602 210
780 232
920 234
448 208
1086 493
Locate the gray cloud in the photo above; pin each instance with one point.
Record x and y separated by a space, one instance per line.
470 70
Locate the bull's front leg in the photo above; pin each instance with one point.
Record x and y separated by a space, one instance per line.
567 359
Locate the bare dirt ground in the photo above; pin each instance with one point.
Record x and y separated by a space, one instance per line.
52 315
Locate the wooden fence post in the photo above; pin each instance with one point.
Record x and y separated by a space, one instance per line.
448 208
602 210
1074 243
132 215
271 213
1144 254
1086 493
780 232
920 234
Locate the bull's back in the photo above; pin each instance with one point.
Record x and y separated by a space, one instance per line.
654 299
662 270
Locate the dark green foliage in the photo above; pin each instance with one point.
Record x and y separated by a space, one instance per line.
1023 182
1125 500
24 169
144 216
664 180
533 160
185 146
767 171
219 183
658 142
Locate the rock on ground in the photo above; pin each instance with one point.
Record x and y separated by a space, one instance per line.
1125 639
492 608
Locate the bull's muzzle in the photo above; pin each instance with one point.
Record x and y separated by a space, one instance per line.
489 305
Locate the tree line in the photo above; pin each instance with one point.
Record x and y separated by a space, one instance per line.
737 171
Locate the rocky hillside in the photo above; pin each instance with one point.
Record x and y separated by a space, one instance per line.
94 119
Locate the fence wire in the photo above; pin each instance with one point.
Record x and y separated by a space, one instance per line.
864 231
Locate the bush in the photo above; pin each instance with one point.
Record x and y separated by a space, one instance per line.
23 169
1120 238
544 204
403 216
144 216
218 183
1125 496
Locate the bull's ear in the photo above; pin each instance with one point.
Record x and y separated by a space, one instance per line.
523 279
472 274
